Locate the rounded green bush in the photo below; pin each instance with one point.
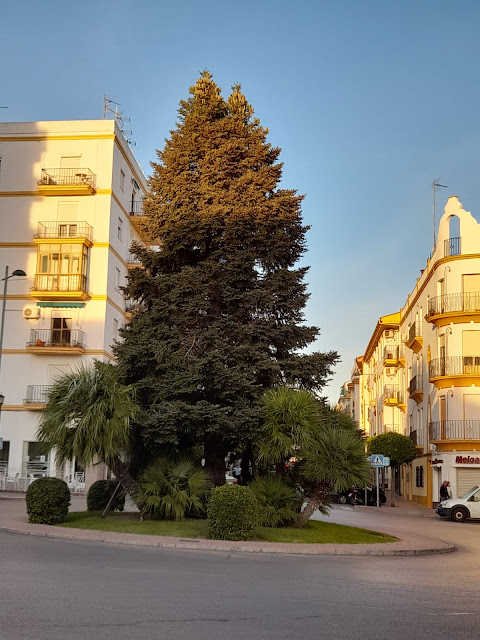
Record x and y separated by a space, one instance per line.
100 493
280 504
233 513
47 500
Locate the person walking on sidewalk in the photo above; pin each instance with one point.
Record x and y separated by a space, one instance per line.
445 492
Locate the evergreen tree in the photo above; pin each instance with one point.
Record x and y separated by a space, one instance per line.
222 301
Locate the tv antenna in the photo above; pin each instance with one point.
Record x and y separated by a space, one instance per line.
119 118
436 186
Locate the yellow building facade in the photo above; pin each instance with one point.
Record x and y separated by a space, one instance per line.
420 373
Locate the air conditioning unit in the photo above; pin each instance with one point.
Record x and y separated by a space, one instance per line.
31 313
390 333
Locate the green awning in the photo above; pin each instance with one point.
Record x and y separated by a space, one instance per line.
68 305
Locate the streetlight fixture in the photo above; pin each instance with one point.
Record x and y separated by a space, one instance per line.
19 273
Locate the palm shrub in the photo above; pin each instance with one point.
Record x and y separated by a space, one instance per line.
172 490
279 503
233 513
47 501
99 495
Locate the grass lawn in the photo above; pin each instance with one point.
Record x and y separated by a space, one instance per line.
314 531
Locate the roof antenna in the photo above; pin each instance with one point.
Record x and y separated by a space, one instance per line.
119 118
436 186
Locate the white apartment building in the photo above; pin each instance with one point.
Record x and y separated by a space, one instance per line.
421 368
70 208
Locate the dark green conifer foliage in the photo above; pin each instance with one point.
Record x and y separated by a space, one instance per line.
223 302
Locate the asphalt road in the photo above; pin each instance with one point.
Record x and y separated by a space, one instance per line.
56 590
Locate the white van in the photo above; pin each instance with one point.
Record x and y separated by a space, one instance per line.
459 509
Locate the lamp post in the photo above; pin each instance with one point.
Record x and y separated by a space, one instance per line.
20 273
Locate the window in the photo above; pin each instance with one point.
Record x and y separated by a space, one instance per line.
61 331
70 162
115 329
120 229
419 477
118 275
122 180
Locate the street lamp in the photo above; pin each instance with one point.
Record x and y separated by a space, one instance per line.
20 273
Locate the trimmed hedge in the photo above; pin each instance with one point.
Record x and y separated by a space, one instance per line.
100 493
233 513
47 500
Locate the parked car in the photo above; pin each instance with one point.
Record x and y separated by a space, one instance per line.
229 479
357 496
461 509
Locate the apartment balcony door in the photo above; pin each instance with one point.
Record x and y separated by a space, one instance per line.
61 331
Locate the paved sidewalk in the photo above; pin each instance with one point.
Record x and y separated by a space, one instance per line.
13 520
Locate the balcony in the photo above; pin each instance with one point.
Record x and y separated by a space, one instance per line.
37 394
71 232
132 307
53 286
415 338
393 397
417 438
452 247
454 430
138 218
67 182
415 388
56 341
457 371
393 356
133 262
454 307
392 428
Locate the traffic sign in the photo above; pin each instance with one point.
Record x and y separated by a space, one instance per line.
377 460
386 461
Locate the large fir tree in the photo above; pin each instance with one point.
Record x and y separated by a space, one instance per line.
222 300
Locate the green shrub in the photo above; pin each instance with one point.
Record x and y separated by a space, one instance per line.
233 513
100 493
279 503
47 500
173 490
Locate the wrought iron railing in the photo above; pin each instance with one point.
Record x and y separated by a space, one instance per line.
57 338
392 428
415 331
69 177
70 229
454 430
455 366
416 384
452 247
392 392
454 302
133 260
393 353
136 208
60 282
37 393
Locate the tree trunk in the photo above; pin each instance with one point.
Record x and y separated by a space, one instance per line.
214 455
280 468
392 488
122 473
318 496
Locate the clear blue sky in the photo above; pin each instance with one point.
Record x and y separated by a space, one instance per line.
370 101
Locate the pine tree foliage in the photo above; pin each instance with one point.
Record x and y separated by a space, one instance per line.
223 301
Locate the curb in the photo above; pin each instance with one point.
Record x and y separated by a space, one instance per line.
239 547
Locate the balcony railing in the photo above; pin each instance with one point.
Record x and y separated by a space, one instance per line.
394 352
452 247
393 395
134 260
455 430
454 302
56 229
67 177
60 282
416 385
392 428
57 338
455 366
37 394
136 208
415 331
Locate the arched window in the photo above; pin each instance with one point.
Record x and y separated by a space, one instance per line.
452 244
